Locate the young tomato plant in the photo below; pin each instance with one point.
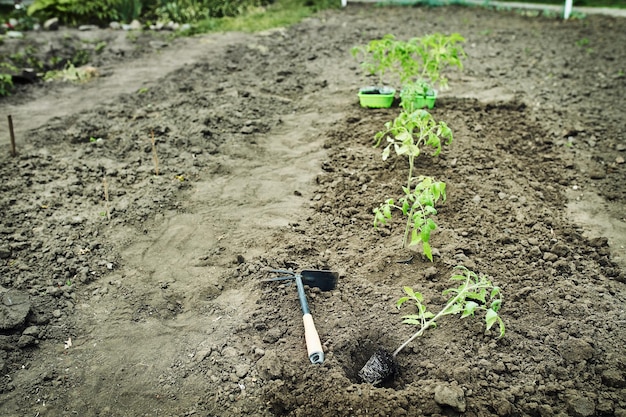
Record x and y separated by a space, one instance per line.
408 132
378 56
418 205
437 52
406 135
475 293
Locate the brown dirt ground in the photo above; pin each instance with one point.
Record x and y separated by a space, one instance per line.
265 161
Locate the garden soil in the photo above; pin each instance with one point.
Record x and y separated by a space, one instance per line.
127 293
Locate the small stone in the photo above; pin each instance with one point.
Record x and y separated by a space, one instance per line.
599 242
576 350
430 273
450 395
158 44
56 313
51 24
14 307
619 160
14 34
31 331
550 257
560 249
476 199
580 406
241 370
5 252
135 25
25 341
502 195
597 174
270 366
613 378
115 25
86 28
273 335
202 354
229 351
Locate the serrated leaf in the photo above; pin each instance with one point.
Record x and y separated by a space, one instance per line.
480 296
495 291
491 317
425 233
387 211
386 152
469 309
401 301
427 250
428 315
412 319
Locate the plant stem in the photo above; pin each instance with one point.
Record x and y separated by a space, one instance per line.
430 322
408 185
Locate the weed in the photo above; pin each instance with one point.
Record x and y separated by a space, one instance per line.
6 84
100 47
582 42
72 74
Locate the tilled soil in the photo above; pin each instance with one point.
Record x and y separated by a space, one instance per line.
133 268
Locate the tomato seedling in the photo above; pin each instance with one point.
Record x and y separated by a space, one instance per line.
475 293
418 205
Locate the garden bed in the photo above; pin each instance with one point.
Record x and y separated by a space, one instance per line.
151 301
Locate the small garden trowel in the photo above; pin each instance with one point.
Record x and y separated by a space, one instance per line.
325 281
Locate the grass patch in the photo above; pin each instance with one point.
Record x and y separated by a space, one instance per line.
279 14
619 4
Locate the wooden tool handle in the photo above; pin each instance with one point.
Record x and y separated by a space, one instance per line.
313 344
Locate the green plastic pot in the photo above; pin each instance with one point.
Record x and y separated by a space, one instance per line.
376 97
420 102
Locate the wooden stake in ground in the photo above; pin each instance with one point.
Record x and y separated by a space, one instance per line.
12 133
155 158
106 197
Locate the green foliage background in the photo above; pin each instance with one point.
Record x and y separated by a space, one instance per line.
103 11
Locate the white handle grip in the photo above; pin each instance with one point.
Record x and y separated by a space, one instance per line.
313 344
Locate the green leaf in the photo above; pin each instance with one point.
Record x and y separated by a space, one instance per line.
428 315
427 251
401 301
494 292
480 296
491 317
469 309
496 304
387 211
386 152
412 319
425 233
453 309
